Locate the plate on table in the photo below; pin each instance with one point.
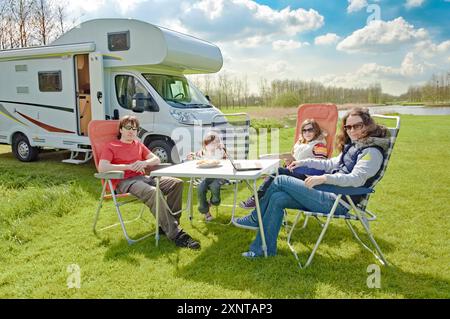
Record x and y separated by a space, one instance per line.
208 163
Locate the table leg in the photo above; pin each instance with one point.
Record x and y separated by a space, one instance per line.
260 222
158 191
191 202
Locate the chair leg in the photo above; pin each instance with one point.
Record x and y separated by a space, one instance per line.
378 256
119 215
291 247
324 230
363 220
99 208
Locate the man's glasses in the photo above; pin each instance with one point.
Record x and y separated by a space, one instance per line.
356 126
306 130
129 127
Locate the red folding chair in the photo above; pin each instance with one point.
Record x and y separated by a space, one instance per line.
100 134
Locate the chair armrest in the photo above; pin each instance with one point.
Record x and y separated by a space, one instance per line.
150 169
344 190
275 156
110 175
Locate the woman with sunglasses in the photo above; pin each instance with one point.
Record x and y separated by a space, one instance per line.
362 144
311 143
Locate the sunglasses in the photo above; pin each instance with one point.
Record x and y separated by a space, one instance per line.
306 130
129 127
356 126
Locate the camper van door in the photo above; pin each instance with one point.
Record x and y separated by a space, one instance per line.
97 86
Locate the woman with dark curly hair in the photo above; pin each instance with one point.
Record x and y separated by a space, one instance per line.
362 144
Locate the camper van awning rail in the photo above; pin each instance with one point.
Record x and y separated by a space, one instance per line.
48 50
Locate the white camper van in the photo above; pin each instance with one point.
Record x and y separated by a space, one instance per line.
104 69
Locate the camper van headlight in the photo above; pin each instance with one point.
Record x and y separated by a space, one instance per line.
183 117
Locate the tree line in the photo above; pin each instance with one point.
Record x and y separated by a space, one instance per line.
436 90
232 91
25 23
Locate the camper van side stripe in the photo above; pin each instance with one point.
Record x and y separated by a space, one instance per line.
45 126
5 113
60 108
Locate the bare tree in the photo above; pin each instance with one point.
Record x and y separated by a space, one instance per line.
21 11
44 20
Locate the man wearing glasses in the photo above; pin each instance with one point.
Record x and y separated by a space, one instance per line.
128 154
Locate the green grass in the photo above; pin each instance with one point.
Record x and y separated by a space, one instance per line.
47 208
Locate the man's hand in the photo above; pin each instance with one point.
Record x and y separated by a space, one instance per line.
312 181
139 166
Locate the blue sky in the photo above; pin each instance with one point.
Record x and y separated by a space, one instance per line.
350 43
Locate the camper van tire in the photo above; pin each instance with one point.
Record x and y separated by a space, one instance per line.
162 149
22 149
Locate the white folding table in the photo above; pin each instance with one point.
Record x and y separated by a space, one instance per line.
226 171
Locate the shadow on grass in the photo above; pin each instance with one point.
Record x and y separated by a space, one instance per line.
280 277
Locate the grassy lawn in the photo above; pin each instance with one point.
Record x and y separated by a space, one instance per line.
47 208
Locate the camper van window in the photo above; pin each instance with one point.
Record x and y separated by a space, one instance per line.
50 81
126 87
177 91
119 41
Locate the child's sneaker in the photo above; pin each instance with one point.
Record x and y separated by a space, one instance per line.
248 204
208 217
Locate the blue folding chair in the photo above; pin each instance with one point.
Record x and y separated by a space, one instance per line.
357 212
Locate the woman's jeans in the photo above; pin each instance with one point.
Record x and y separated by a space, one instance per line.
213 184
288 192
299 173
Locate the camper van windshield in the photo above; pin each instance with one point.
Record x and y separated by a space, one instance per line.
177 91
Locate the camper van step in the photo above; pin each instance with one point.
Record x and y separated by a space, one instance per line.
75 161
74 157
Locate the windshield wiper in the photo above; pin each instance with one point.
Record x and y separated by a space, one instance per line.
203 106
176 101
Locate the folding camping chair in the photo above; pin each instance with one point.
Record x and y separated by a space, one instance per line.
234 131
100 134
326 115
360 211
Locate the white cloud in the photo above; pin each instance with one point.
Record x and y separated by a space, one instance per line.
287 45
277 67
429 49
356 5
238 19
381 36
413 3
327 39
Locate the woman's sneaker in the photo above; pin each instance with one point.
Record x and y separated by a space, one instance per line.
248 204
250 254
246 222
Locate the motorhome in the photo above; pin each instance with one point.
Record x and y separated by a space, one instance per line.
104 69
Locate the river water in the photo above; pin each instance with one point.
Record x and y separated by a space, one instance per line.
410 109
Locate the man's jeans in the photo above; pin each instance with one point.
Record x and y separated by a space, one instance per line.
213 184
288 192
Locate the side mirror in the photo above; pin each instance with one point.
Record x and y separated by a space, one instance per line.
138 102
208 98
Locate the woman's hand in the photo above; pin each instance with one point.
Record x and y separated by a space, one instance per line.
312 181
293 165
139 166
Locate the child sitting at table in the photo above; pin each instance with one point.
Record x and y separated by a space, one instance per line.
212 149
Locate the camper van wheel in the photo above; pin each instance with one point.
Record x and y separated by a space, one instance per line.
22 149
162 149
